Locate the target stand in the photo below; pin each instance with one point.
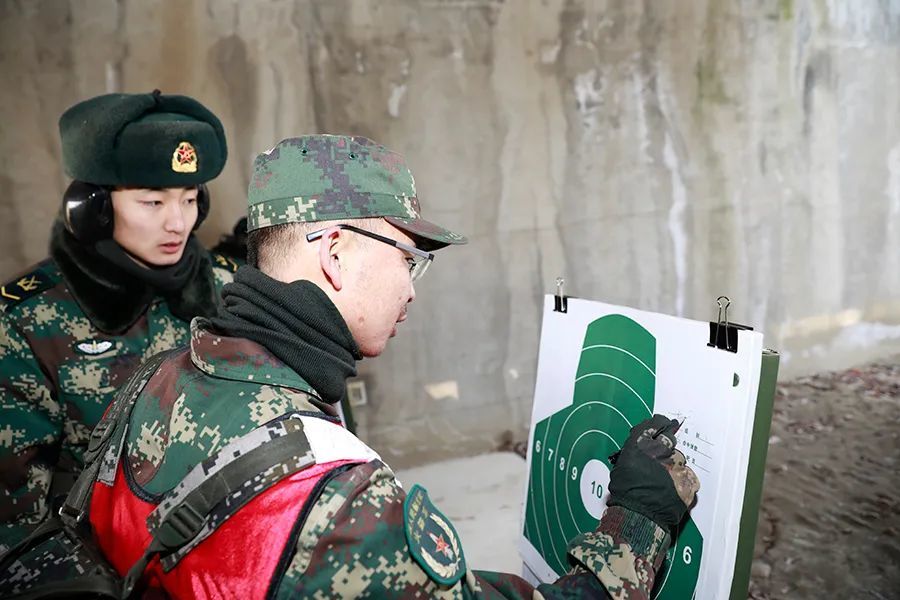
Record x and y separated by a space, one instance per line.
603 369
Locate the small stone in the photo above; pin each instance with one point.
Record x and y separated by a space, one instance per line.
760 569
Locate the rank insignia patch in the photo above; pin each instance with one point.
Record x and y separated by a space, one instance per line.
431 538
184 159
24 287
93 347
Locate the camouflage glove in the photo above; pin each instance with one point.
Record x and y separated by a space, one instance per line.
650 476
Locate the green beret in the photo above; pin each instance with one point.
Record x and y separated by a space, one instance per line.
147 140
335 177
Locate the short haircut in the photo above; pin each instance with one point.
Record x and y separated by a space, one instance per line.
268 246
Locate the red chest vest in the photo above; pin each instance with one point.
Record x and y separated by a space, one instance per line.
239 559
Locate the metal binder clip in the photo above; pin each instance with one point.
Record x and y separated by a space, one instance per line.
560 302
722 334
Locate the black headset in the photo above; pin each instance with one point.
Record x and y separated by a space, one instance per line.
88 210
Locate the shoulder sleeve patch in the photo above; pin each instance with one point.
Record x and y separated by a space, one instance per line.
224 262
24 287
431 538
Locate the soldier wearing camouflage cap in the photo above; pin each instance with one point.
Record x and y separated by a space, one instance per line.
234 442
124 277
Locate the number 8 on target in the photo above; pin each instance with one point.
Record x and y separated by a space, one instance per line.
614 390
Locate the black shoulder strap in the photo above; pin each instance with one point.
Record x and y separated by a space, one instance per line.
106 441
218 487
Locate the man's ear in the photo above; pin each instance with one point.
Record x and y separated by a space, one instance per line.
332 242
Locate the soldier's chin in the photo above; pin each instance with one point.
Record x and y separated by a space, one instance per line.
164 259
373 348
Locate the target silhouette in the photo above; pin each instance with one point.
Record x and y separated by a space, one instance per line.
569 477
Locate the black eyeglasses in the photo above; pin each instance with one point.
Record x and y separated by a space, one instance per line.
418 260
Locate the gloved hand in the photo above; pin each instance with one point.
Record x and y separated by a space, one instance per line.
650 476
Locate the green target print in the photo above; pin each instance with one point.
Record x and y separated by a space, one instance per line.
567 488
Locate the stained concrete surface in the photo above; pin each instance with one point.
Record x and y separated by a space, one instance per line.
655 154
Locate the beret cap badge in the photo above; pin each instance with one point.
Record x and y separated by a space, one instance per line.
184 158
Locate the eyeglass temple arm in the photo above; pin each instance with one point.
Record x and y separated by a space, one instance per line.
311 237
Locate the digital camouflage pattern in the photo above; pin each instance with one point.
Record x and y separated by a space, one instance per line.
353 544
259 440
354 538
60 558
226 388
59 375
329 177
624 553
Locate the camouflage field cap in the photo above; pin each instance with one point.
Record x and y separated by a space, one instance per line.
329 177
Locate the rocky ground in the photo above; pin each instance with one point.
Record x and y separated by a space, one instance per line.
830 516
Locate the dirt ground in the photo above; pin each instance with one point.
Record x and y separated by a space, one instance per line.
830 517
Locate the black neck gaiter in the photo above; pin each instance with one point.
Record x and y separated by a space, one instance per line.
164 279
114 291
297 322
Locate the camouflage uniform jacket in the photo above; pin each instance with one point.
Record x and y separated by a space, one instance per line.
58 372
359 533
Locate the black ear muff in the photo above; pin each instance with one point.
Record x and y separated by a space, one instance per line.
202 204
87 210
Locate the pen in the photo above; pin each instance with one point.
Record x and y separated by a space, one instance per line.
614 457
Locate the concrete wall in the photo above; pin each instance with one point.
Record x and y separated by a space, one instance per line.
654 153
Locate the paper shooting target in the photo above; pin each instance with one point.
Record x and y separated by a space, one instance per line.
569 476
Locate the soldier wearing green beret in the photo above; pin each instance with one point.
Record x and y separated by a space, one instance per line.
124 278
234 468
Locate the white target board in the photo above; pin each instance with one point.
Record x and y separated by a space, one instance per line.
601 370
